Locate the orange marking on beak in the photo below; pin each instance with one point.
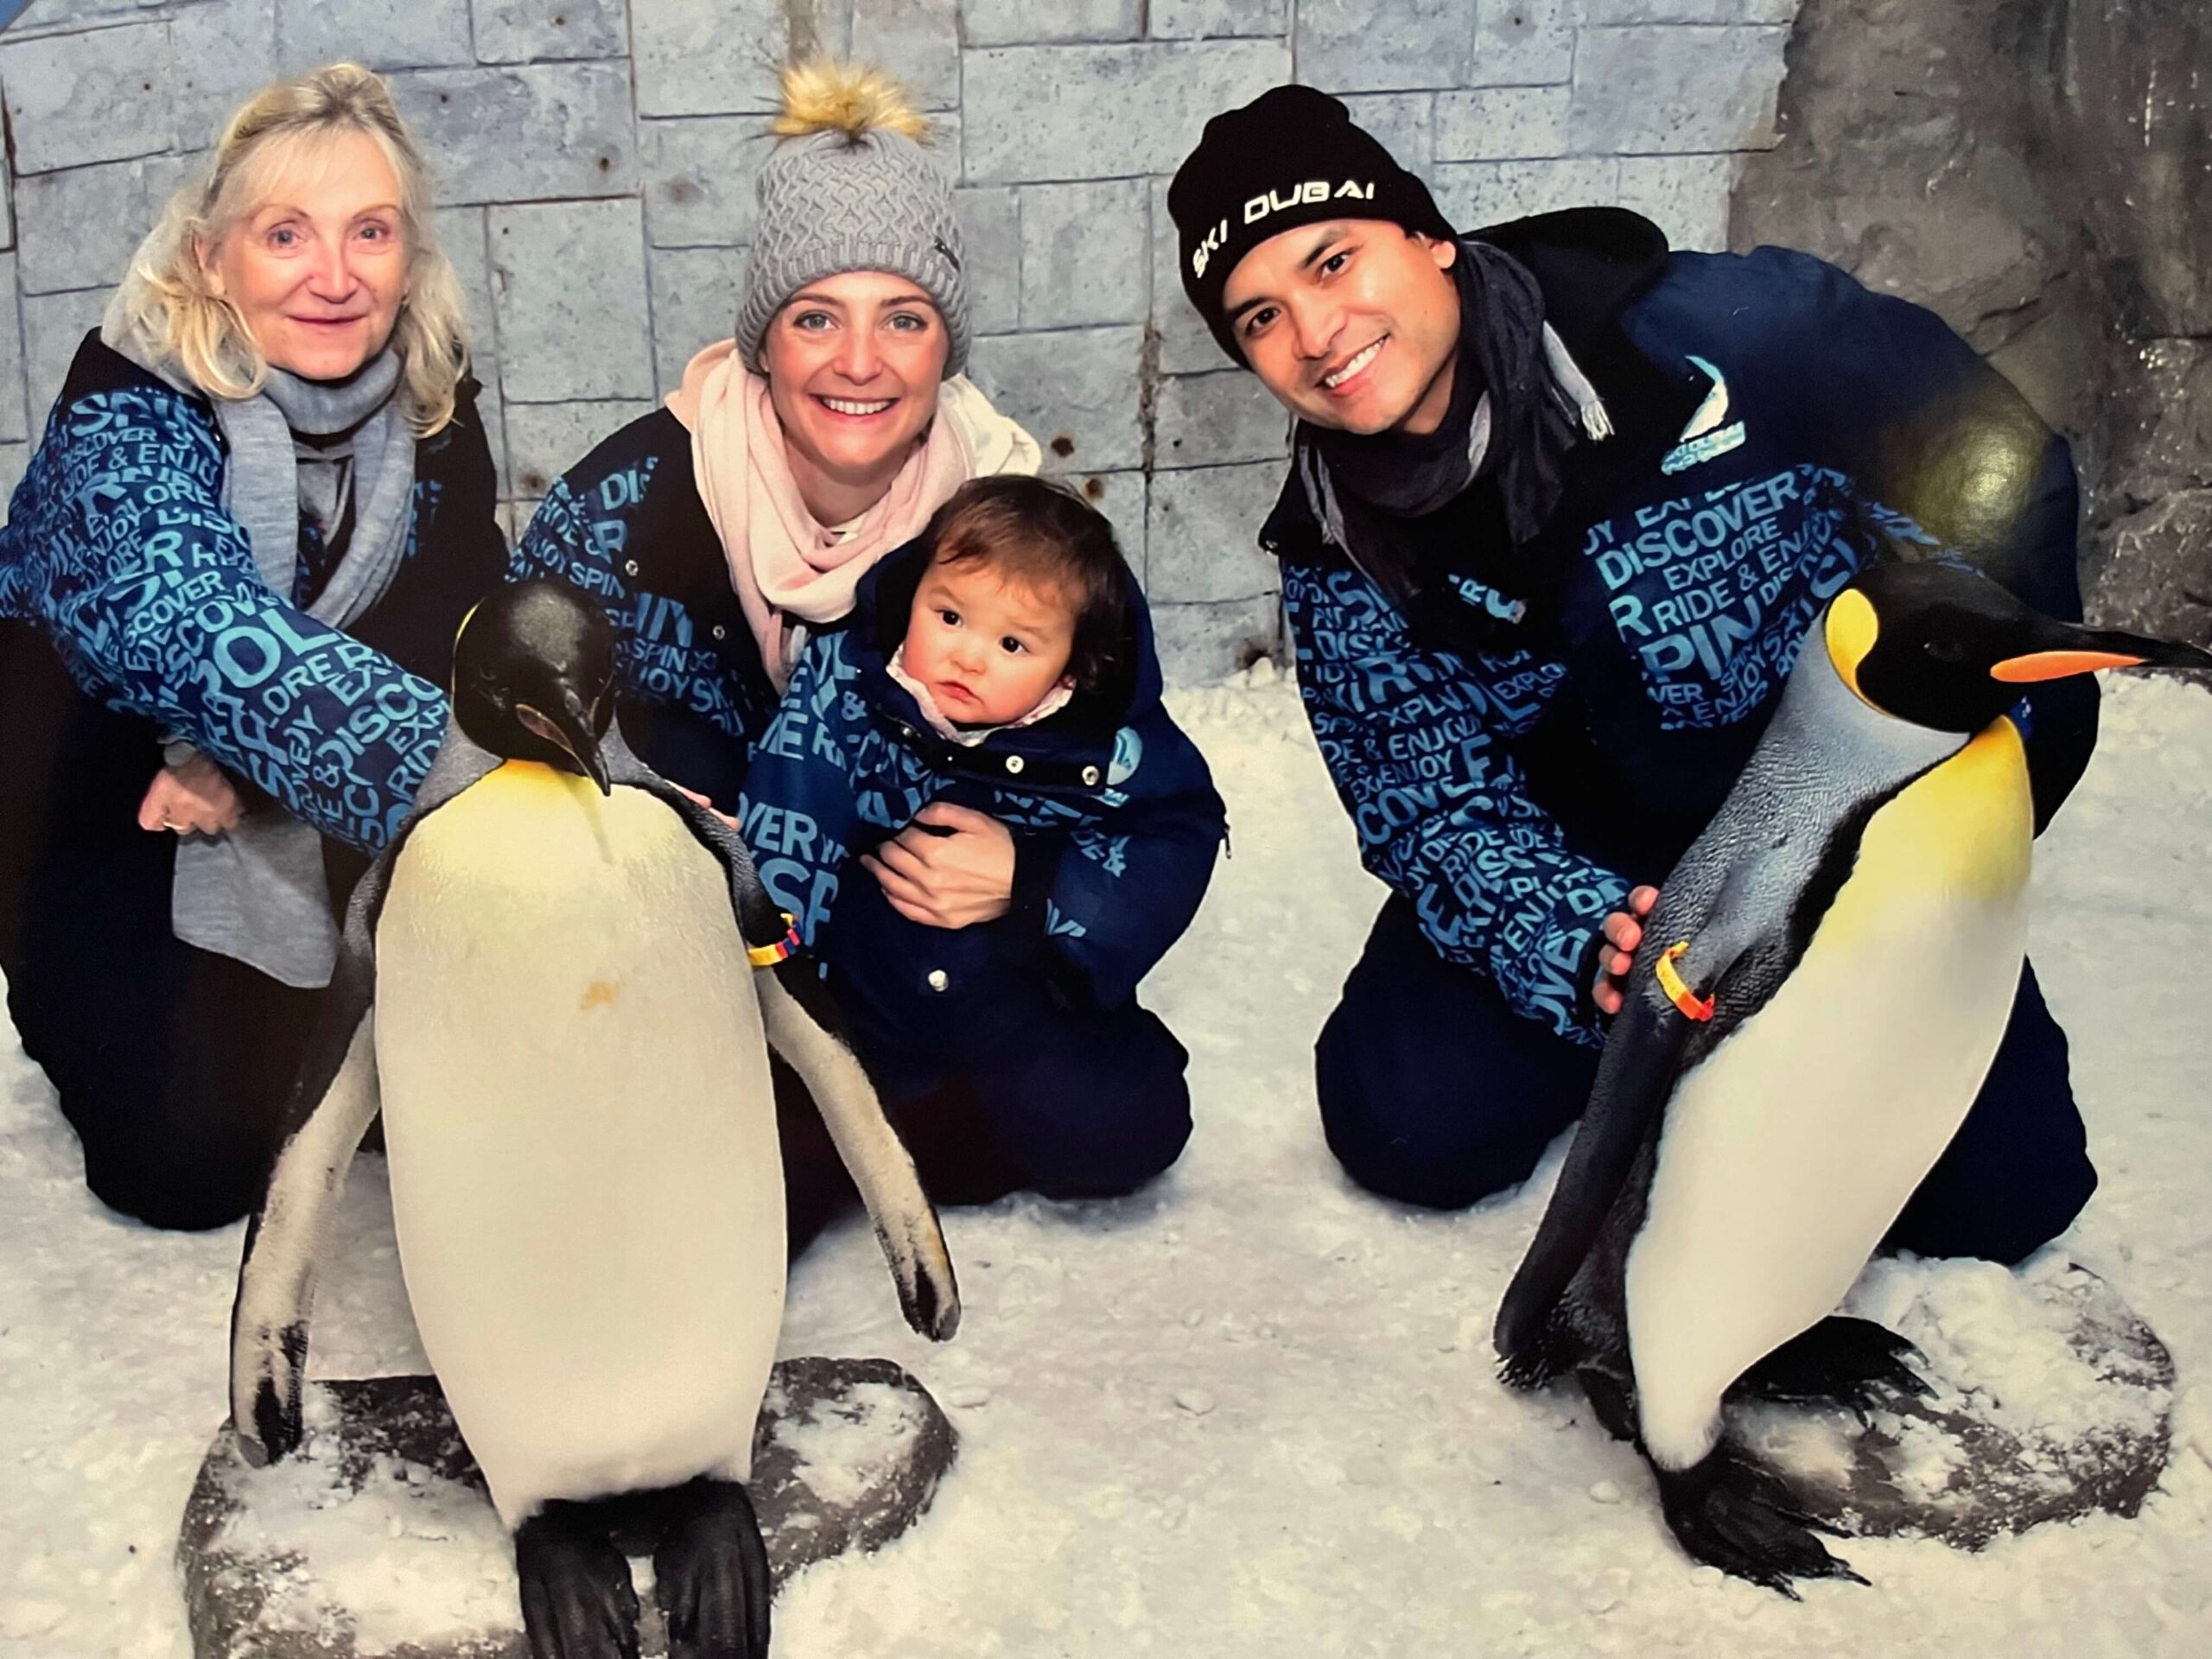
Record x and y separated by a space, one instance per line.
2057 664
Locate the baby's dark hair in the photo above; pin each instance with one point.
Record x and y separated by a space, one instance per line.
1043 534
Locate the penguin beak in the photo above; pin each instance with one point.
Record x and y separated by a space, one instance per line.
2084 651
569 729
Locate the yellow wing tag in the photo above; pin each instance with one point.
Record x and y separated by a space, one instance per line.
767 956
1692 1005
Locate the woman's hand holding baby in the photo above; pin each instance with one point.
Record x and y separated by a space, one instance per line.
952 866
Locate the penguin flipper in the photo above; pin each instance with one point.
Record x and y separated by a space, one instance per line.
1722 902
331 1109
1634 1077
803 1024
759 921
803 1028
333 1102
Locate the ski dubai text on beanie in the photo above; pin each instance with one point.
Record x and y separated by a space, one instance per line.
1274 202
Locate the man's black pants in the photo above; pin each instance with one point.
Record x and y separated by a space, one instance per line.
1433 1091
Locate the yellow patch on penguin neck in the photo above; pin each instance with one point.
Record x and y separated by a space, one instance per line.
536 774
1963 828
526 820
1852 630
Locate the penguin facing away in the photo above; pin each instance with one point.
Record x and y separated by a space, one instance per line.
561 982
1821 987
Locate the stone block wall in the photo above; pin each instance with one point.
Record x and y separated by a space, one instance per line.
2047 196
595 162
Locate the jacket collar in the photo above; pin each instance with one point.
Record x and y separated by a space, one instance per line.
1592 264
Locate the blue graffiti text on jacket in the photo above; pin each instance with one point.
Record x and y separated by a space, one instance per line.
1713 592
1419 744
587 532
124 554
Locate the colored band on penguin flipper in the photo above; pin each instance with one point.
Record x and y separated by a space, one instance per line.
1692 1005
767 956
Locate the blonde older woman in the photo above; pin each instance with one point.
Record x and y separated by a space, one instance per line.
231 580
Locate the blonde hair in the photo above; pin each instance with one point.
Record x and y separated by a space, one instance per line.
166 305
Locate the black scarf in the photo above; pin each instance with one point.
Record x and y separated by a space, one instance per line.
1366 491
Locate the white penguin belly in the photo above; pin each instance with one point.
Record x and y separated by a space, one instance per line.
1790 1152
585 1172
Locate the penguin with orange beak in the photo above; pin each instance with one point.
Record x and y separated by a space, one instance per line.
1821 987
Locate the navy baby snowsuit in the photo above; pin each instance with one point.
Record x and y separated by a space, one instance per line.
1536 729
1028 1025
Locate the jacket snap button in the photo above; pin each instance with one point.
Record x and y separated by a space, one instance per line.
1013 763
629 567
1091 774
939 979
720 631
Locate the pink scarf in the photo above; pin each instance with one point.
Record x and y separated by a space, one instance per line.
787 570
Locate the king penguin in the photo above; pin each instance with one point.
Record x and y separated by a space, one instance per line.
1821 987
561 982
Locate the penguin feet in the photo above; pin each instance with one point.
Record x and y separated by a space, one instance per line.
1613 1401
577 1602
1730 1513
711 1574
1853 1363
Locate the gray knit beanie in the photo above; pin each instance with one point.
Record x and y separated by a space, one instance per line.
848 188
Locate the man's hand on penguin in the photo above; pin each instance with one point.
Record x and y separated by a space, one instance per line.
1624 931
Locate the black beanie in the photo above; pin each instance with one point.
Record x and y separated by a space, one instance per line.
1292 156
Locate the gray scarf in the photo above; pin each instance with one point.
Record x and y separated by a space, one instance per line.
257 892
1519 402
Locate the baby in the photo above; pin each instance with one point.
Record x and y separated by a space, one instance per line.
1020 608
994 685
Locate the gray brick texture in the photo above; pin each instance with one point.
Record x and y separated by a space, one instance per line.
595 161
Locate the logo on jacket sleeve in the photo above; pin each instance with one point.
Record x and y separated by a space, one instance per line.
1128 755
1705 438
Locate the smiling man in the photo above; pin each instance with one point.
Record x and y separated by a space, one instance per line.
1562 504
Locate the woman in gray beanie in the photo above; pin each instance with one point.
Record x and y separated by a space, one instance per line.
722 528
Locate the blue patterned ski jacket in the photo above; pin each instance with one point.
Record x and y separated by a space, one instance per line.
118 550
1528 733
627 525
1114 813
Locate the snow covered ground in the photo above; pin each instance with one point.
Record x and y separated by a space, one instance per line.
1251 1411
